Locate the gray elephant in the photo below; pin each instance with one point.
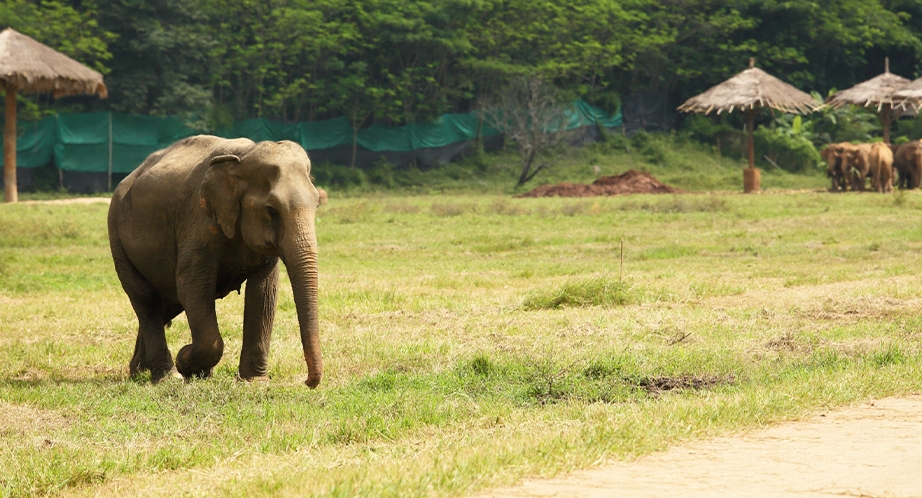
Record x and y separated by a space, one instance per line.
833 154
856 164
194 222
907 162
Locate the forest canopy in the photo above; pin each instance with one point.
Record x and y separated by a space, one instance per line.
393 62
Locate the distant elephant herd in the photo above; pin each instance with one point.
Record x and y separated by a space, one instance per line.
849 165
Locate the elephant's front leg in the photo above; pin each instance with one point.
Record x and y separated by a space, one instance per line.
258 316
196 291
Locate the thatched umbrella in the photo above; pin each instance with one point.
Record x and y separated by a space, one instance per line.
749 92
28 66
880 91
910 96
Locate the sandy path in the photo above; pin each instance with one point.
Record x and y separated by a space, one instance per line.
870 450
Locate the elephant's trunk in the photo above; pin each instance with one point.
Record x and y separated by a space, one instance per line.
299 253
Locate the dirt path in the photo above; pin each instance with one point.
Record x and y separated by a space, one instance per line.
870 450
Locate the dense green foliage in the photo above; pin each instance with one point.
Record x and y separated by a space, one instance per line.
393 62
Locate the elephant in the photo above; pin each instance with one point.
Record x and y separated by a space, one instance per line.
907 161
832 153
855 164
194 222
881 167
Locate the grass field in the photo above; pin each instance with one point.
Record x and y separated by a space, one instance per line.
469 340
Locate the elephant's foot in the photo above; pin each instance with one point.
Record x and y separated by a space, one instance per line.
262 379
189 368
167 375
137 366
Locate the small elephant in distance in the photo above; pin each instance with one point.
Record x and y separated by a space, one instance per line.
832 154
907 162
881 167
193 223
856 164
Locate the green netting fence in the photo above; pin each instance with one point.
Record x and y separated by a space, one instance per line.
108 142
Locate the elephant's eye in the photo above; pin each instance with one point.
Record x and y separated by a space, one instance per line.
273 213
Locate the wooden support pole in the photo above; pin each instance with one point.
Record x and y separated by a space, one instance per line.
10 193
885 119
750 118
751 176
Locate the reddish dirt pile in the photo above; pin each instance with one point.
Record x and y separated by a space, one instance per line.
629 182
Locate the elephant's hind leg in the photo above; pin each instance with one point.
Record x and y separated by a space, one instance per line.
150 349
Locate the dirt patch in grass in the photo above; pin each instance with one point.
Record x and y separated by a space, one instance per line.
660 385
25 422
629 182
866 450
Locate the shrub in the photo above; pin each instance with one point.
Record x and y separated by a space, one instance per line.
789 152
335 175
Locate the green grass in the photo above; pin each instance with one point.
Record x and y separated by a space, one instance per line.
469 340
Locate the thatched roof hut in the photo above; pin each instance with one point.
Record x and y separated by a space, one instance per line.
880 91
910 96
748 92
30 67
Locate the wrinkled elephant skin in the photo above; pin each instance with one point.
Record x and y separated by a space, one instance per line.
193 223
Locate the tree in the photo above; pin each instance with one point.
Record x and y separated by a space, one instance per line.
66 29
161 64
530 115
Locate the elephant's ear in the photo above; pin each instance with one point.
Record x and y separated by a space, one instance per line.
221 192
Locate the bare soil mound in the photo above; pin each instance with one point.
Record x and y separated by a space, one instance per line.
629 182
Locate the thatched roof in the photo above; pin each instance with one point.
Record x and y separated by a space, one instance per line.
910 96
30 67
876 91
751 89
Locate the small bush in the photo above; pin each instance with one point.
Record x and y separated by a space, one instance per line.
338 176
789 152
600 291
381 174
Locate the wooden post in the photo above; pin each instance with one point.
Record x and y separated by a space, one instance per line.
109 181
751 175
750 119
885 113
885 119
10 193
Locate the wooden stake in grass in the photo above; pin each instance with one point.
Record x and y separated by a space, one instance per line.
621 268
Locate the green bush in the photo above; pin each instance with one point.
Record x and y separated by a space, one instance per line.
338 176
789 152
381 174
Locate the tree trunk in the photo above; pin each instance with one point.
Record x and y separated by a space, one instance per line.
10 193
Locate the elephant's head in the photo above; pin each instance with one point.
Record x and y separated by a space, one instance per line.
264 196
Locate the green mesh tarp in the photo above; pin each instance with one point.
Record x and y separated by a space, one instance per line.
446 130
34 143
82 141
102 142
136 137
319 135
260 130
